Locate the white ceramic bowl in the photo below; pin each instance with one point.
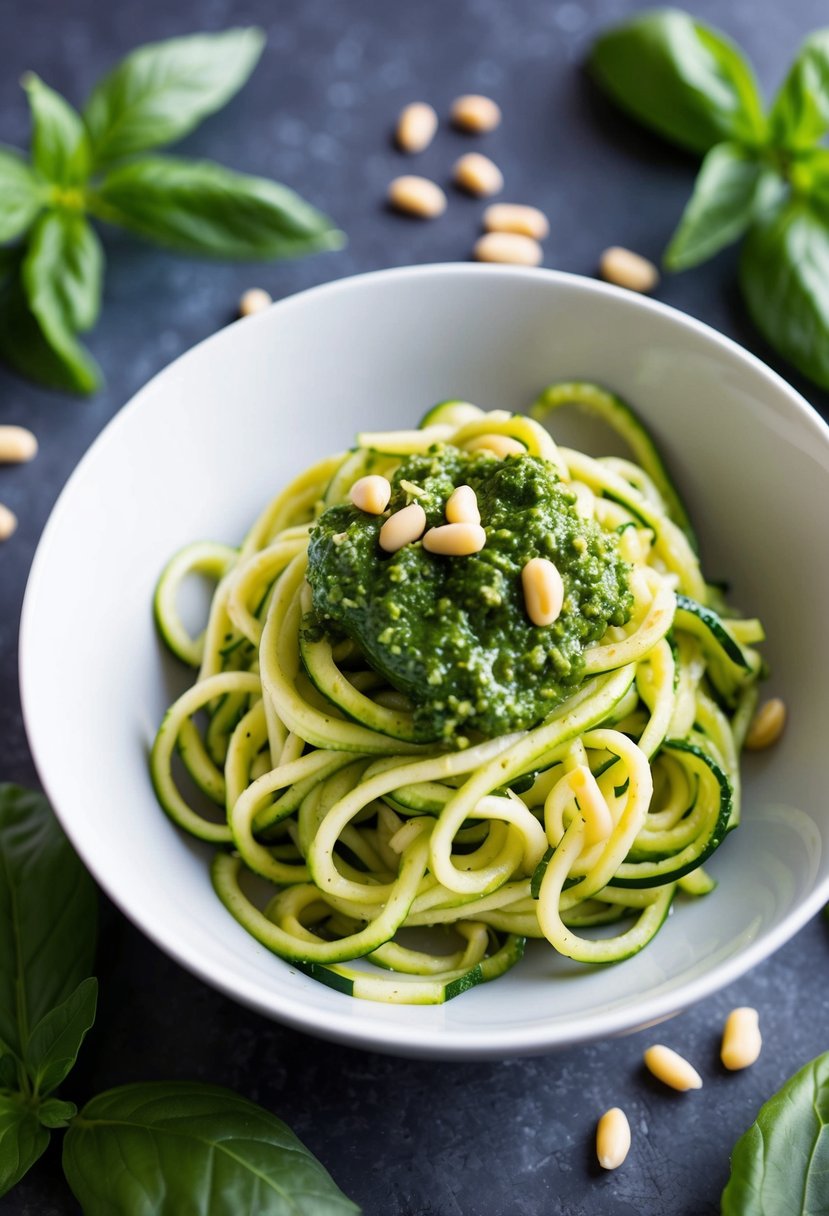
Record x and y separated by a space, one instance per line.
202 447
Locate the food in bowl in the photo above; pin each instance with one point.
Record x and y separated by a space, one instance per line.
464 682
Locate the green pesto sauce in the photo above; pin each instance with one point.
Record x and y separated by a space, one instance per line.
452 632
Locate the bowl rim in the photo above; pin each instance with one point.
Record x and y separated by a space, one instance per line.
423 1041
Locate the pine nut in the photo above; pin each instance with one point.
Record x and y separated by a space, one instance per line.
417 196
671 1068
403 527
478 174
766 725
543 591
455 540
416 127
472 112
255 299
462 506
17 445
8 522
515 217
500 445
612 1138
741 1040
628 269
509 247
371 494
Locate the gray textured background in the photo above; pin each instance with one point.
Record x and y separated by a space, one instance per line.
503 1139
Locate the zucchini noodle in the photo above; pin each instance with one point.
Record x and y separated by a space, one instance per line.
406 869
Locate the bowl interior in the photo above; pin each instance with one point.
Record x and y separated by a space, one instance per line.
205 444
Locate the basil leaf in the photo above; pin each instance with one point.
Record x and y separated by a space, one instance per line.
23 346
784 276
64 269
55 1113
184 1147
60 143
22 1140
56 1040
21 195
48 914
781 1164
800 114
61 275
686 81
165 89
201 207
720 209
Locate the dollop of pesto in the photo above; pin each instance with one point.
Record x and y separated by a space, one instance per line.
452 632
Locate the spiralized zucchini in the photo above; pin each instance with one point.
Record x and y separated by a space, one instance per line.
321 793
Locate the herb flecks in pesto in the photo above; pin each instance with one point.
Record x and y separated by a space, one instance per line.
452 632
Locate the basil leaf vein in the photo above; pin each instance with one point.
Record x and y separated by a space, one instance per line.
56 1040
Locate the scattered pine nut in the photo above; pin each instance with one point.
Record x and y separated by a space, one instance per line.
17 445
416 127
500 445
612 1138
671 1068
543 591
475 113
508 247
403 527
628 269
371 494
766 725
455 540
8 522
255 299
462 506
515 217
741 1040
478 174
417 196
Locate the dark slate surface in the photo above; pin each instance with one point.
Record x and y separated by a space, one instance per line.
401 1137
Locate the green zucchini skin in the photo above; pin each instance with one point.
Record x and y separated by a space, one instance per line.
669 868
396 990
617 414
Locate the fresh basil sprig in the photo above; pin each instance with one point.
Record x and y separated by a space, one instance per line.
158 1147
764 176
781 1164
89 165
